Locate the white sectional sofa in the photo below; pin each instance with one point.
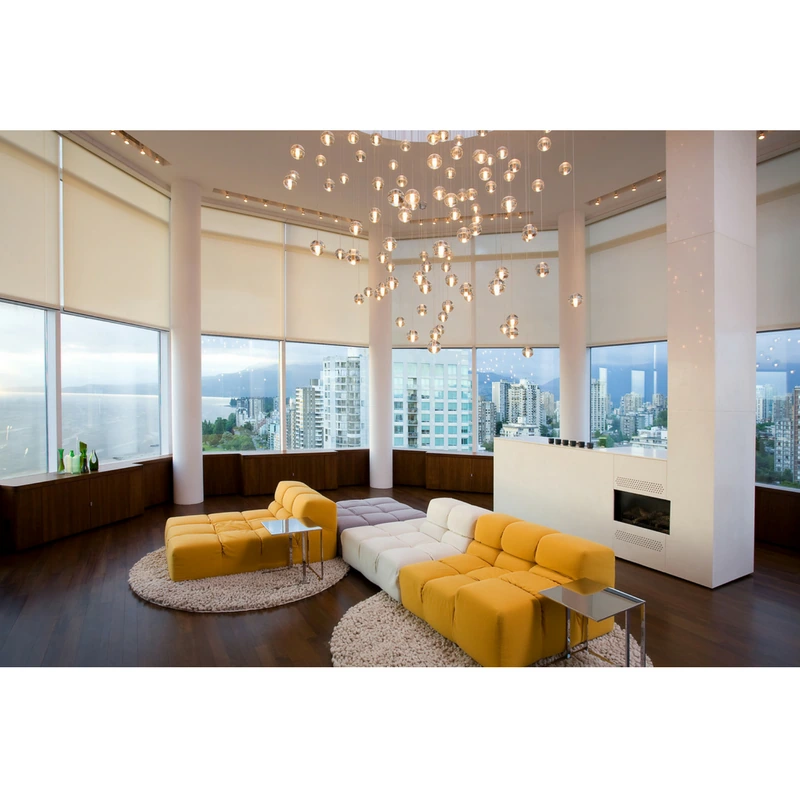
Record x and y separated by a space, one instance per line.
379 551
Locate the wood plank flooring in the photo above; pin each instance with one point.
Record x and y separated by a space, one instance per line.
68 604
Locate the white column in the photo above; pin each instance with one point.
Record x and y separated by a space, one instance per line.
711 329
572 325
187 449
380 370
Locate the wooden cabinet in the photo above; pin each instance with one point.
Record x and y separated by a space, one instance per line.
455 472
352 467
409 467
262 472
222 473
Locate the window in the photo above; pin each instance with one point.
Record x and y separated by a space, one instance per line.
517 396
447 365
23 410
778 408
110 388
628 394
326 404
240 394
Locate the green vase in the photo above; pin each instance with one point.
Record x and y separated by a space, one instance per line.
84 457
94 464
60 467
75 462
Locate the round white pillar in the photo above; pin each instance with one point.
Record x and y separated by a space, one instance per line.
187 447
380 370
572 326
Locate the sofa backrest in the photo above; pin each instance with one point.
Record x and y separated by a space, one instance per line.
574 557
452 521
299 500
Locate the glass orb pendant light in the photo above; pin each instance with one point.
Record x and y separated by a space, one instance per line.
527 352
463 235
433 138
508 176
446 266
400 322
444 136
395 197
542 269
538 185
434 161
389 244
423 255
361 156
484 173
405 145
393 165
343 178
352 137
374 214
412 336
377 183
512 320
412 199
422 309
529 233
512 332
451 199
353 258
480 157
368 292
378 297
356 227
389 265
340 254
544 144
392 283
462 195
448 306
491 187
475 228
439 192
497 287
297 151
328 184
327 138
290 179
376 139
402 181
454 214
508 204
425 286
435 334
575 300
502 152
483 133
382 258
450 173
317 247
404 215
358 299
502 273
565 168
515 165
442 316
477 218
418 277
426 265
382 289
320 160
489 160
451 279
456 152
434 347
504 328
441 249
466 288
472 194
475 208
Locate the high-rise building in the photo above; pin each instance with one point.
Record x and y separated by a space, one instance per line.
637 382
308 421
658 402
761 406
548 405
344 401
500 399
631 402
533 405
598 403
516 403
627 425
487 421
796 433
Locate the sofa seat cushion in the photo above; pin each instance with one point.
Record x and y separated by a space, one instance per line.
464 563
413 579
373 511
439 602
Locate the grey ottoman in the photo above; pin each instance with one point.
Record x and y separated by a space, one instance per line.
373 511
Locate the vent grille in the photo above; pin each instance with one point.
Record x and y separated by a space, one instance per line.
639 541
641 486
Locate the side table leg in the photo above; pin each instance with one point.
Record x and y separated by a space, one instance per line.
304 551
627 641
291 551
569 651
322 560
644 656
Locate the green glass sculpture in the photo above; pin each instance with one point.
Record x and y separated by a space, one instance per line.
75 463
60 467
84 457
94 464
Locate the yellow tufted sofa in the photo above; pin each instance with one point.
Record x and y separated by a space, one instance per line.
486 600
207 545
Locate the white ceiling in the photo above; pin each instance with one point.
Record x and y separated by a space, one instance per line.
255 162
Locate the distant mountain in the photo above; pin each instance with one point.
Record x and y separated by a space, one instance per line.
112 388
260 382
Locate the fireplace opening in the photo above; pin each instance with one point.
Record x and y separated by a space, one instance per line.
641 511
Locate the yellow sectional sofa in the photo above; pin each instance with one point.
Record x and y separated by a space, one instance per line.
207 545
487 600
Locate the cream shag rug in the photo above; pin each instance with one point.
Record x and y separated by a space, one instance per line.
379 632
245 591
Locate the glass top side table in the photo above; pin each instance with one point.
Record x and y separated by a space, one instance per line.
597 602
302 525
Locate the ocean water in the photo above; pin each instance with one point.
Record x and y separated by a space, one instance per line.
120 427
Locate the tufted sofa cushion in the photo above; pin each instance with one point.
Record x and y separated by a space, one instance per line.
373 511
207 545
379 551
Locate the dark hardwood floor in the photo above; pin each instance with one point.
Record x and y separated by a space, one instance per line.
68 604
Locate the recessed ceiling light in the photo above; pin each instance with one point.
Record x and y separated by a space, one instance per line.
762 135
633 188
616 195
658 179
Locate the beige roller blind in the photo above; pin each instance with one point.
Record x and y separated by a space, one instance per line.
320 290
29 216
242 275
116 242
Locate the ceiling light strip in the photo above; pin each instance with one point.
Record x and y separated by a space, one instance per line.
659 177
142 148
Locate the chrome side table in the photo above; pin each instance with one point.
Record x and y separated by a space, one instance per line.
597 602
291 526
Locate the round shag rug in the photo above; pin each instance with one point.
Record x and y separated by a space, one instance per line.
379 632
245 591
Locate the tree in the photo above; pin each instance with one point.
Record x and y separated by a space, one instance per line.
219 425
661 419
498 426
489 446
230 423
233 402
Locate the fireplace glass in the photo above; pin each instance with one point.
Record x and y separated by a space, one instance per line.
642 511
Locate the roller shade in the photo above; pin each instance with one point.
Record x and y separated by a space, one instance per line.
320 290
242 275
29 216
116 242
